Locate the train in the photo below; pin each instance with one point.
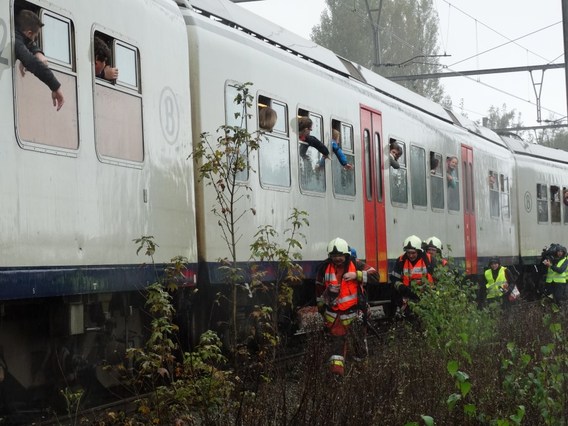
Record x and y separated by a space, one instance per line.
81 184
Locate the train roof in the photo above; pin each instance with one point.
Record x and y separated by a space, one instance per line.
521 147
245 20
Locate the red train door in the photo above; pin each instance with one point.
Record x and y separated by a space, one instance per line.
373 191
470 235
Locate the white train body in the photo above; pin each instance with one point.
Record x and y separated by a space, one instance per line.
79 185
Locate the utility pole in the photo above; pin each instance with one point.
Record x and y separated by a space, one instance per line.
565 31
375 28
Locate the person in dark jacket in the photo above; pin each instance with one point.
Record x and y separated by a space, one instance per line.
304 129
28 26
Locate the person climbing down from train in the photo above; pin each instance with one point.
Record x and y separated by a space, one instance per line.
102 58
336 148
395 152
452 171
412 270
304 129
28 26
267 118
499 285
556 273
340 295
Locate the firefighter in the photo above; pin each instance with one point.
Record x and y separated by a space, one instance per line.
412 269
340 294
432 246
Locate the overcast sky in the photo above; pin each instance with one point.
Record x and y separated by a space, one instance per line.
478 34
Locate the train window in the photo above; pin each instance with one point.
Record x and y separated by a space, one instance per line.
436 181
542 203
234 117
453 183
343 180
281 125
418 176
493 194
56 38
311 162
126 60
505 207
565 203
39 126
555 204
118 108
398 180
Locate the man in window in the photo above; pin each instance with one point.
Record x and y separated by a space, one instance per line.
102 56
28 26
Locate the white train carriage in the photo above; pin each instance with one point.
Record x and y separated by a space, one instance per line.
542 193
79 185
383 205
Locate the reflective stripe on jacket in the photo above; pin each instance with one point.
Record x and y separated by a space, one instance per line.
494 286
347 296
414 273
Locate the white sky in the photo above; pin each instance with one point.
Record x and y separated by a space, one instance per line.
467 29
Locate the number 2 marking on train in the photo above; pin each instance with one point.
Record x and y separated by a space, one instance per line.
3 38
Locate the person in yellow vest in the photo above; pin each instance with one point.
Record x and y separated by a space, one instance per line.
499 283
556 274
340 295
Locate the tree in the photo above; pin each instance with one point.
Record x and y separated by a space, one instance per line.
407 32
501 118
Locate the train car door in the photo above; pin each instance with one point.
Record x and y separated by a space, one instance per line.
373 197
470 235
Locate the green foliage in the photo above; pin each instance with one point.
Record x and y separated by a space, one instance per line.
408 32
219 165
449 315
542 377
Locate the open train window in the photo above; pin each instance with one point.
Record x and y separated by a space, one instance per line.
436 181
493 181
505 190
343 179
39 126
398 173
565 203
310 157
418 176
272 115
453 183
119 135
555 204
542 203
274 151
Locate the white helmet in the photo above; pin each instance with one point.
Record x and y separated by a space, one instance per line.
433 242
412 243
338 246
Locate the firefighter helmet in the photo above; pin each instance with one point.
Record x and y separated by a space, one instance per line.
338 246
412 243
434 242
